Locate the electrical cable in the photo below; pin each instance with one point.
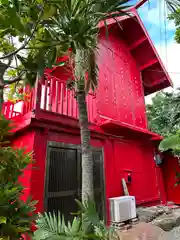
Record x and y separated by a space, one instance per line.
165 34
160 25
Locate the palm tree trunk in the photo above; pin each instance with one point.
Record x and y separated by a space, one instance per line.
87 161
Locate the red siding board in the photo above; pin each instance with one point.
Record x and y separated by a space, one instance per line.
131 156
38 174
119 156
120 94
170 167
25 140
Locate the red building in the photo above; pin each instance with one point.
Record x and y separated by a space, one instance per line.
47 124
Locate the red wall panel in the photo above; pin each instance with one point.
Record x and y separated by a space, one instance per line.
120 93
38 174
170 167
119 156
40 147
25 140
138 160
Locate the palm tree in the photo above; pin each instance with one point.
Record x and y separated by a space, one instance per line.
77 27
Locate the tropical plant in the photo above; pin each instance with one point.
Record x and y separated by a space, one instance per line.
173 4
175 15
86 225
164 113
171 142
16 215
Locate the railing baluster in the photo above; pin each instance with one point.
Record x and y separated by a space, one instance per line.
88 107
50 95
71 107
31 99
45 94
57 96
62 98
67 98
77 111
11 111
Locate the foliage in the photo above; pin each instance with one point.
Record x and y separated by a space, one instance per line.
164 113
46 30
86 225
173 4
49 30
34 33
172 143
15 215
176 17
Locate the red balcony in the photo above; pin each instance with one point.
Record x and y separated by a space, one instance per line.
50 97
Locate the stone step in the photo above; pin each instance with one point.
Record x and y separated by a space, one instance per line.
164 217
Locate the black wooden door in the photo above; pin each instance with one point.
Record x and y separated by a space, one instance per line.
63 179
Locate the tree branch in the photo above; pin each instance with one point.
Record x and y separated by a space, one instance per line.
25 43
16 79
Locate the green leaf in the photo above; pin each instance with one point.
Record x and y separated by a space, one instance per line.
22 229
3 220
16 4
51 56
49 11
73 46
170 143
33 12
15 20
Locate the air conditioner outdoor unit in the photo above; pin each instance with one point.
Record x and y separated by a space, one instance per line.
122 208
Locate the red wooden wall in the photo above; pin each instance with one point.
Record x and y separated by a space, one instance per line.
120 93
25 140
138 160
119 156
170 167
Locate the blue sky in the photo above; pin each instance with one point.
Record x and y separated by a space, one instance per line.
154 16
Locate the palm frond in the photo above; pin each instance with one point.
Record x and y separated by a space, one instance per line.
50 226
92 80
88 211
173 4
85 226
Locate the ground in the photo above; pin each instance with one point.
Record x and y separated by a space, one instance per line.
155 223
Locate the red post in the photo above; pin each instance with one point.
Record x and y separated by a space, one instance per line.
37 96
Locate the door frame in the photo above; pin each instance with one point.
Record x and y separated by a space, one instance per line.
77 147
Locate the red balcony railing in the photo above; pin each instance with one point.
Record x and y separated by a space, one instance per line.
20 107
8 110
51 96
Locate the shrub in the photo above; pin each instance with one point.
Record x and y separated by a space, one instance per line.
86 225
16 215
